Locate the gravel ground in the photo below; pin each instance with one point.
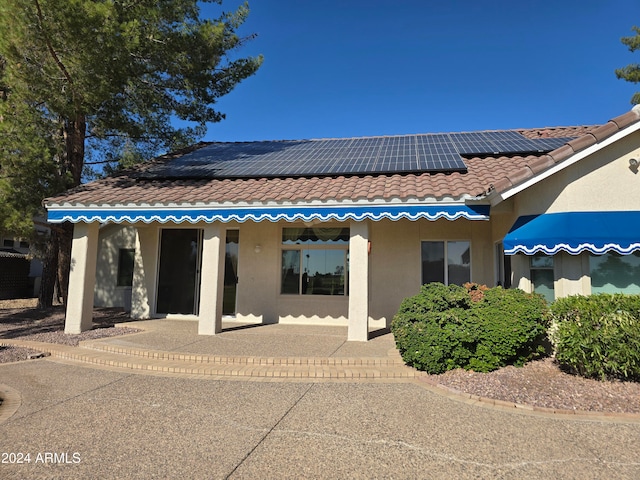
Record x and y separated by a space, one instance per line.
20 319
540 383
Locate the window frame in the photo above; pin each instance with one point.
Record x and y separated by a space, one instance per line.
551 268
503 268
446 257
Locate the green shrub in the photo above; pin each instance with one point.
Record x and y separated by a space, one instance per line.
447 327
511 326
598 335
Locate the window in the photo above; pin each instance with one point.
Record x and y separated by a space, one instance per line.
503 267
446 262
542 275
125 267
24 244
314 261
615 273
7 242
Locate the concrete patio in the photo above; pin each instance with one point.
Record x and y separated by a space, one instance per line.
279 401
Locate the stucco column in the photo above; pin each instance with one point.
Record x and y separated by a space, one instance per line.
521 272
144 270
572 276
82 278
358 282
211 280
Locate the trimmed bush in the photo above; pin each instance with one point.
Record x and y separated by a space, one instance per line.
447 327
598 336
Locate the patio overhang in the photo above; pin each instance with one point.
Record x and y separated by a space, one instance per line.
575 232
272 213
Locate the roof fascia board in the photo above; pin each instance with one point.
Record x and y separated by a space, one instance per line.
494 200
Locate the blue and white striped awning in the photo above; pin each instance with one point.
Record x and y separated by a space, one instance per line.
304 213
575 232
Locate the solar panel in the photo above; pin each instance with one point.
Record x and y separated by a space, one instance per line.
508 141
474 143
502 142
392 154
313 157
548 144
436 152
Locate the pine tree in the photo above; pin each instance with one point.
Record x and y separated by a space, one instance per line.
631 73
89 82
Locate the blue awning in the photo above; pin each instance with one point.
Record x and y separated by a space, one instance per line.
575 232
357 212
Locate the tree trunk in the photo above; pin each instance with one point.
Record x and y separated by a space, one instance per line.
65 240
74 136
62 236
49 271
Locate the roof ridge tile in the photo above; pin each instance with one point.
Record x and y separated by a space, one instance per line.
628 118
583 142
604 131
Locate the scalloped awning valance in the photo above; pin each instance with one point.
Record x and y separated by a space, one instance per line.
575 232
304 213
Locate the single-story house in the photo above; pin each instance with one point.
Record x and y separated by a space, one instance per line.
339 231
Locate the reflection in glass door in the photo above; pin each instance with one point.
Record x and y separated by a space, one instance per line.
179 270
230 273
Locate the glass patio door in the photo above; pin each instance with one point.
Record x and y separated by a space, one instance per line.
179 271
230 272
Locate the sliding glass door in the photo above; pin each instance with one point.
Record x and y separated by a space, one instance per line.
230 273
179 270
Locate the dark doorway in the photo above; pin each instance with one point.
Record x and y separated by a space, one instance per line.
230 272
179 272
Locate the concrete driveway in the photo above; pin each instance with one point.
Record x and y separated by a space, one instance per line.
79 422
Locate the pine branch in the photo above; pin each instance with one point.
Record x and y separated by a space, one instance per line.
53 53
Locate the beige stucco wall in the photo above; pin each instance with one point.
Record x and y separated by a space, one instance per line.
111 239
143 296
600 182
259 298
394 269
258 264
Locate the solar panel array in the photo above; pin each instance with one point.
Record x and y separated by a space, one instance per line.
394 154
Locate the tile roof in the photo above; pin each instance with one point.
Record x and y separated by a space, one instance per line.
484 175
589 136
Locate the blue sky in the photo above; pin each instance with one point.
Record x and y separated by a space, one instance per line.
361 68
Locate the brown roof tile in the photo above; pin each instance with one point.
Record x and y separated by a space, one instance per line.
539 164
627 119
604 131
590 136
582 142
562 153
557 132
502 184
